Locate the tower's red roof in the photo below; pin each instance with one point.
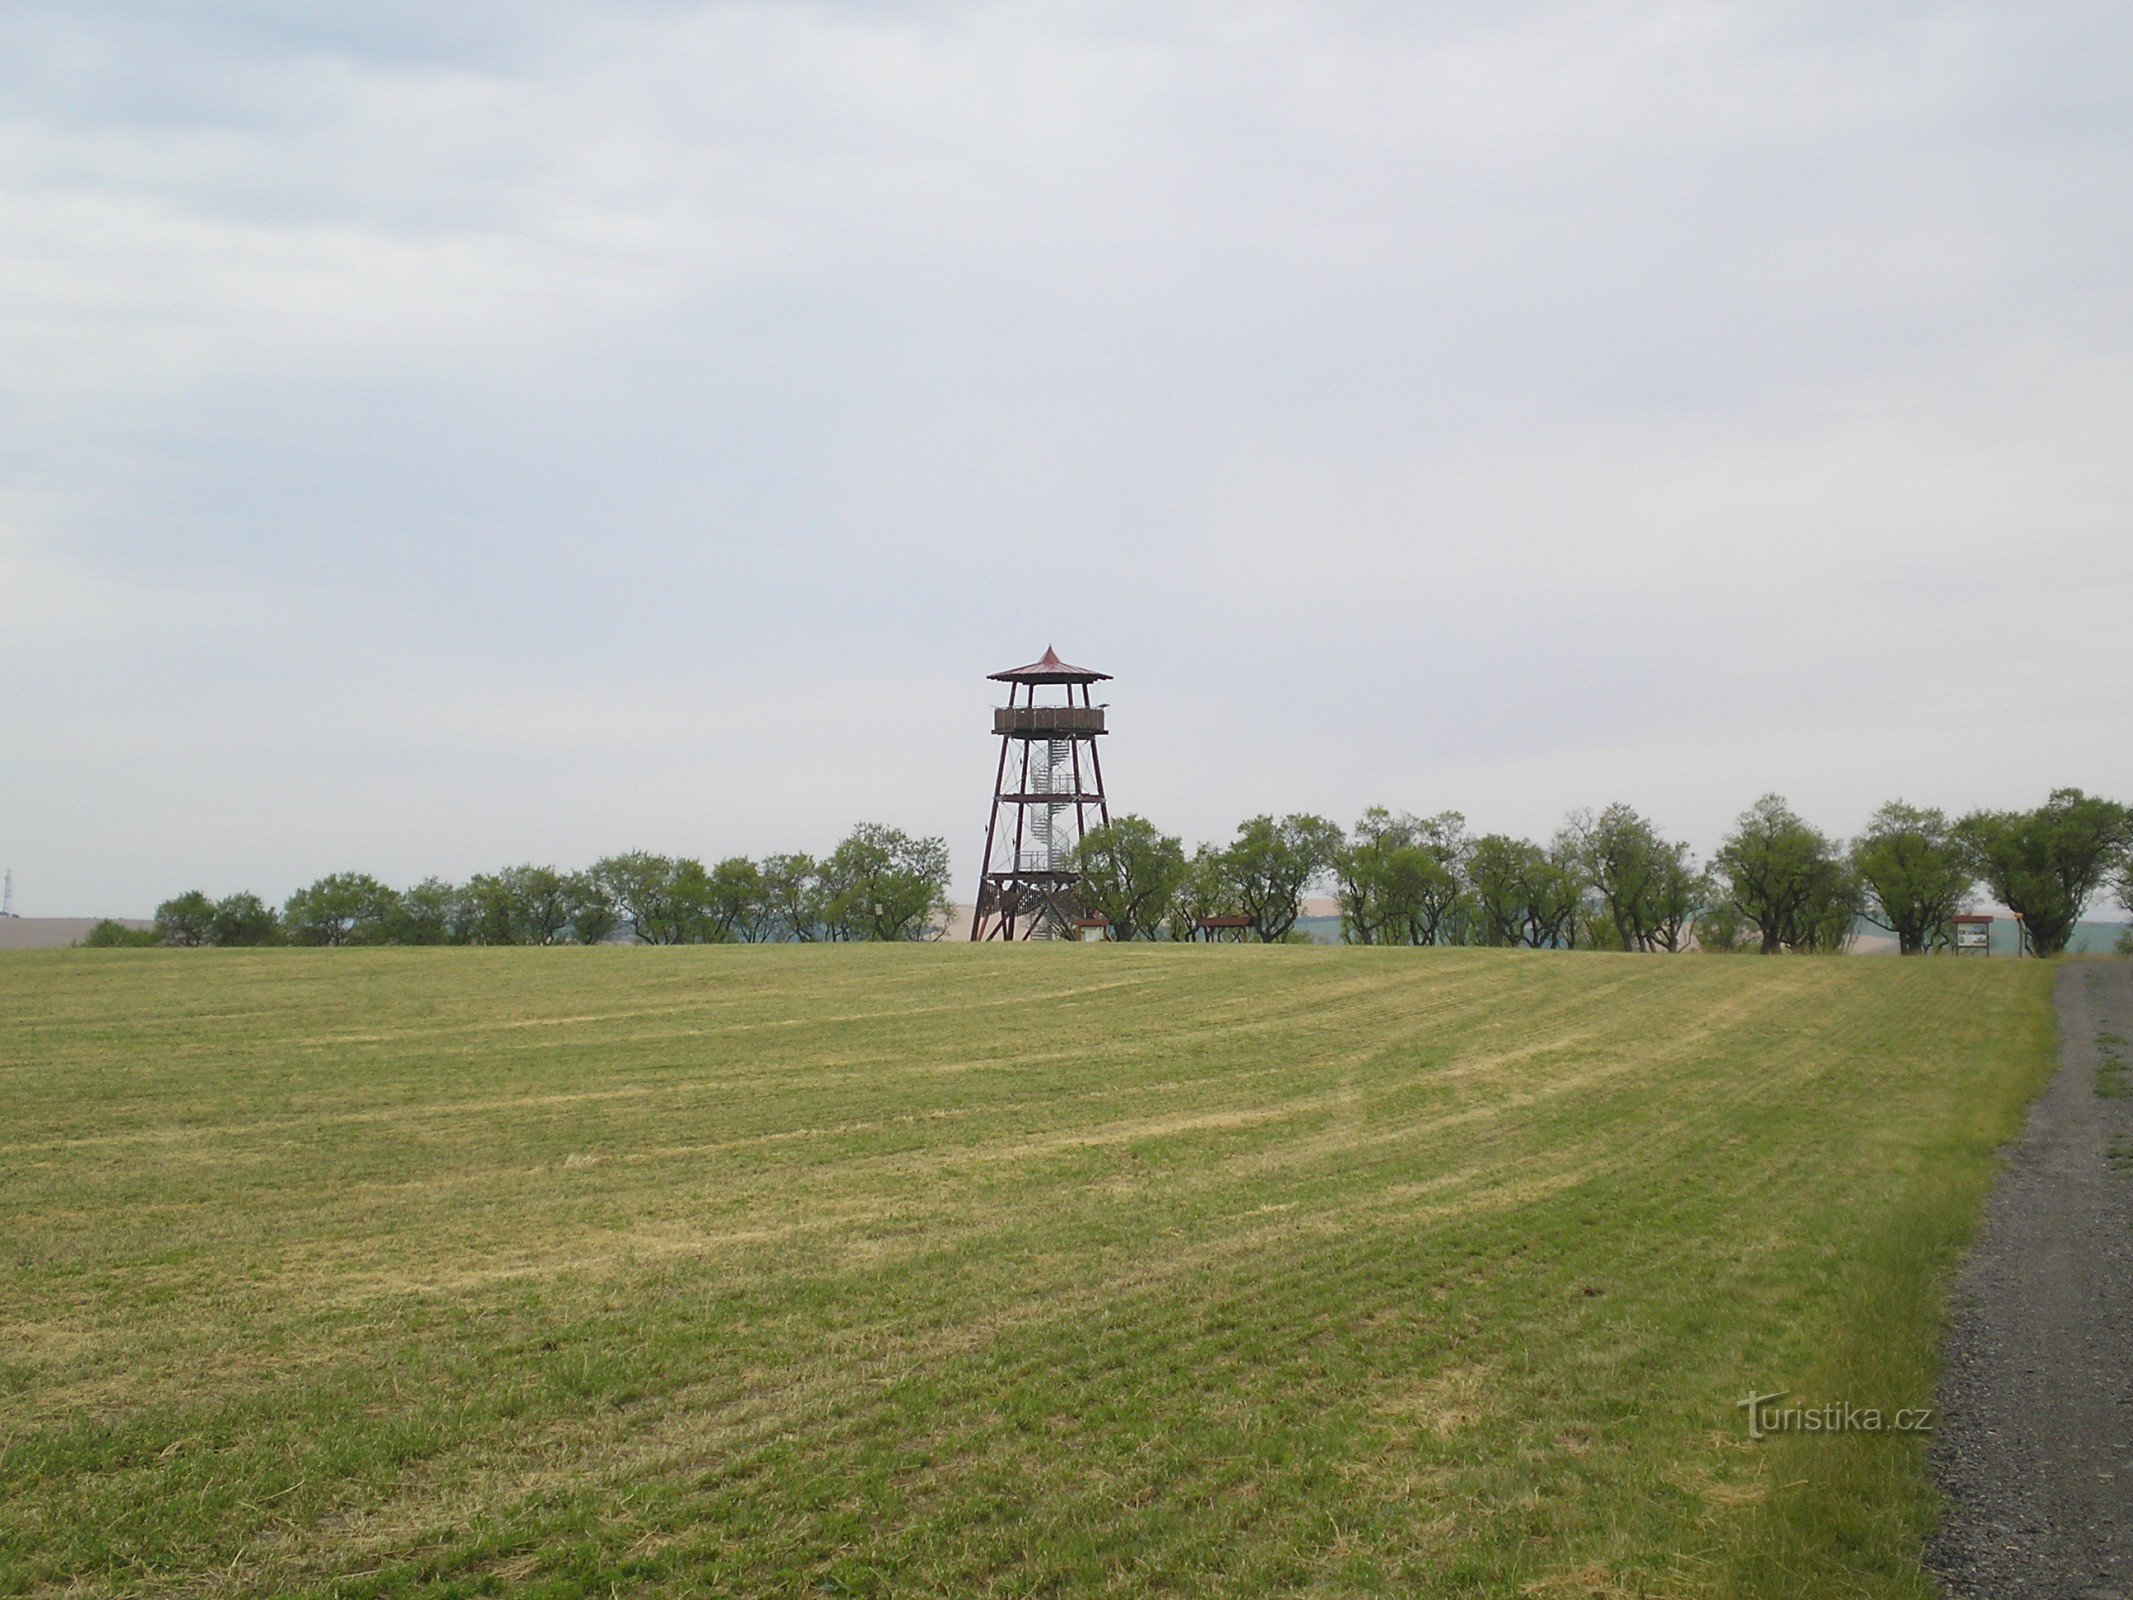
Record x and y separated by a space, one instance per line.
1049 670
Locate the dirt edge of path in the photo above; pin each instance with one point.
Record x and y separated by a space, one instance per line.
2035 1447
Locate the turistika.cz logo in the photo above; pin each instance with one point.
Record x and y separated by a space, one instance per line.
1767 1417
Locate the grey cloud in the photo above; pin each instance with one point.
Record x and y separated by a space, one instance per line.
1477 406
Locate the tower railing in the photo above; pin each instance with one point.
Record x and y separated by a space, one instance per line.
1047 722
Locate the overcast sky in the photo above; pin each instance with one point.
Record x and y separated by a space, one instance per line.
439 436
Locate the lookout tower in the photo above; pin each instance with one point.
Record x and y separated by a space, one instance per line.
1048 786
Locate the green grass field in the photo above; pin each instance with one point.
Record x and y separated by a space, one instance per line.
861 1270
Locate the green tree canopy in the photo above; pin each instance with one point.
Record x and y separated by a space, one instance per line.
244 919
1364 880
590 908
429 913
648 893
1496 872
1204 890
690 902
1270 864
1439 904
884 884
2048 863
736 912
1419 891
187 919
341 908
1130 874
1401 879
1787 878
482 911
1915 874
793 902
541 902
1525 894
1649 885
1720 929
112 934
518 905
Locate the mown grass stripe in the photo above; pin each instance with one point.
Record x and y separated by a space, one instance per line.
969 1271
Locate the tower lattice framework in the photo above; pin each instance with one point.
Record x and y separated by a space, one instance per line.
1049 786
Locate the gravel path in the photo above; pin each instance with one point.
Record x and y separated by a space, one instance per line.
2035 1451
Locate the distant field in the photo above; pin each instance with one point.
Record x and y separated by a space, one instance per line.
868 1270
49 933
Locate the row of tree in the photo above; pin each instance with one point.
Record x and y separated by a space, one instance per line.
1606 880
1613 880
879 883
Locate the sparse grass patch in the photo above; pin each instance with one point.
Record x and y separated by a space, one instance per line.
978 1271
2113 1081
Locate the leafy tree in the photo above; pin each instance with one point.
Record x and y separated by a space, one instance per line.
432 912
1833 919
1683 893
341 908
1401 879
793 902
1131 872
1556 890
1720 929
1204 890
486 913
1595 929
1420 893
2048 863
518 905
540 900
691 894
1617 848
1365 880
1439 908
187 919
589 908
1787 878
1649 885
1915 874
244 919
1496 871
887 885
1270 864
1524 894
643 890
111 934
736 911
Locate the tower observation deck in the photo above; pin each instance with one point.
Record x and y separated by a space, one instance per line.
1048 790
